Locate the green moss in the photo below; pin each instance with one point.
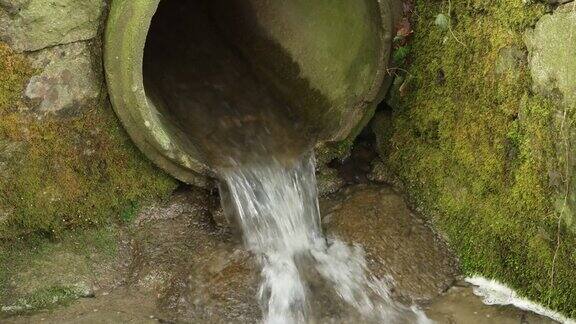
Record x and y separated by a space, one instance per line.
67 172
475 148
329 151
14 71
40 273
43 299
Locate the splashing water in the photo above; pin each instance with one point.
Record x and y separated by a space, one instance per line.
277 206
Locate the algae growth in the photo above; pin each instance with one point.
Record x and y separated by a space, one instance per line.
41 274
475 147
63 172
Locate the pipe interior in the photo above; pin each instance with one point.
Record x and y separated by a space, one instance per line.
208 89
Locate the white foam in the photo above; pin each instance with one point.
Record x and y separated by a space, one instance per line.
496 293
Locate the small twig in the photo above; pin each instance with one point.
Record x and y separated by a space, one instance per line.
397 69
450 24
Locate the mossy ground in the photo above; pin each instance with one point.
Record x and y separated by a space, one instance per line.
68 172
40 273
476 148
63 181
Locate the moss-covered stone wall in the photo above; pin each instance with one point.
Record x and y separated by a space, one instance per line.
480 139
482 151
65 161
60 172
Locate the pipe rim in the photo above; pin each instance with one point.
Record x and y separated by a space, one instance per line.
125 39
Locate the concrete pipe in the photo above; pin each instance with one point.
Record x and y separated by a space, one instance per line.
189 79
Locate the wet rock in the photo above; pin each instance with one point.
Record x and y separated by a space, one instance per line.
182 268
196 269
381 173
355 168
221 218
460 305
224 218
328 181
70 78
121 307
223 289
552 50
31 25
48 274
397 243
176 266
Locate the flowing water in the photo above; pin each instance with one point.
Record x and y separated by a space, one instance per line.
277 207
245 130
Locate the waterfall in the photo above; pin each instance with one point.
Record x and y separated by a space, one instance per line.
277 207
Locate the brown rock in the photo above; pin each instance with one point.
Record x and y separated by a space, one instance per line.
397 243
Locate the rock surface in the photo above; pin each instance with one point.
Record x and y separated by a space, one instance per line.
397 243
70 79
552 62
63 153
79 265
197 270
31 25
552 46
460 305
328 181
178 266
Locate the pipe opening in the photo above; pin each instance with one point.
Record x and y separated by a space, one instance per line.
206 76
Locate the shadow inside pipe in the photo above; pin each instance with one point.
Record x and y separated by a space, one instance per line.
209 70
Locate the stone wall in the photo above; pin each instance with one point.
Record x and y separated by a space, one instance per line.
65 161
481 135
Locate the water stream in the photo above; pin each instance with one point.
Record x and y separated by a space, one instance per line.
241 126
277 207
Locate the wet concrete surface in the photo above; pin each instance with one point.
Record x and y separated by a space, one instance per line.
460 305
179 266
